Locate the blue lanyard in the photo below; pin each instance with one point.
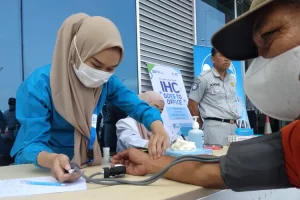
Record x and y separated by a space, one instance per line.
92 135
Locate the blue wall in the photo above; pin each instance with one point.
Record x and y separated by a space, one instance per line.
10 50
208 21
41 20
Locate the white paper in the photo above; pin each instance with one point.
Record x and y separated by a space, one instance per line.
94 120
14 187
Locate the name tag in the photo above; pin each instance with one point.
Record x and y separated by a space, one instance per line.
94 120
214 84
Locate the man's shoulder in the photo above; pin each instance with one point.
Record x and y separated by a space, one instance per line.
203 76
6 112
206 73
232 78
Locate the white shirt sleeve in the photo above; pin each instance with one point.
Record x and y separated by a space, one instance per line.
173 136
198 89
128 135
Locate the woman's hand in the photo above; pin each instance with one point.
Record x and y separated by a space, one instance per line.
159 141
58 163
61 163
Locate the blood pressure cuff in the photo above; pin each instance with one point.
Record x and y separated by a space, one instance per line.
255 164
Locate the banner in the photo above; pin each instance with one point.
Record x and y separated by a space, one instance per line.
168 82
202 62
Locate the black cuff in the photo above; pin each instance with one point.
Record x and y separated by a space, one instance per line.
255 164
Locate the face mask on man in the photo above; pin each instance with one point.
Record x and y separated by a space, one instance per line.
273 85
89 76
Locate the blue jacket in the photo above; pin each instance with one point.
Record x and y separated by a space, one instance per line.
43 129
2 123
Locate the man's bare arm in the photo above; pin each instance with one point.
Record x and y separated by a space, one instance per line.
206 175
193 107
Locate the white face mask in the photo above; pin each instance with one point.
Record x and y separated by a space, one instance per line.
273 85
89 76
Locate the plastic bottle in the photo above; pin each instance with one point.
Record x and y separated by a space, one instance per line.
106 155
196 135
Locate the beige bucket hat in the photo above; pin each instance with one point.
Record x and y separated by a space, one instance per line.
234 40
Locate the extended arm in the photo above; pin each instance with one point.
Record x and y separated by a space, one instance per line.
206 175
33 113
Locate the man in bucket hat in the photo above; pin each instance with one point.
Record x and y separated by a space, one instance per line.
270 33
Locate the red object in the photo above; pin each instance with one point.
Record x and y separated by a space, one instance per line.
268 129
267 119
291 148
213 147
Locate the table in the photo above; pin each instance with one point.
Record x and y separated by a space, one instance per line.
162 189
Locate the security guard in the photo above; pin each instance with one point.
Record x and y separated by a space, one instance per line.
10 120
2 123
214 90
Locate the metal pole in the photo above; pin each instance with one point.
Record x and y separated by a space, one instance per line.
195 22
22 41
235 9
138 42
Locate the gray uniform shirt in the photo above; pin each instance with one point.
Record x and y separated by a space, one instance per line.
217 98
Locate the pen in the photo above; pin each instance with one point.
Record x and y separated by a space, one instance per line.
42 183
183 137
142 148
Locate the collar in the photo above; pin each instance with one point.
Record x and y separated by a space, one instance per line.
216 73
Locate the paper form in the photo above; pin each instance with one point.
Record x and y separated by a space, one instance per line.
15 187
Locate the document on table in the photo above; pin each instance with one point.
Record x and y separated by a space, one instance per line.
17 187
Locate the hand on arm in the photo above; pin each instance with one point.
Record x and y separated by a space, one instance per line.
159 141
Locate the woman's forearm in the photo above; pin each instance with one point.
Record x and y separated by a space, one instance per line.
156 125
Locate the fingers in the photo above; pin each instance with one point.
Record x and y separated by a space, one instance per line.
159 141
162 145
117 161
62 163
73 177
120 157
59 173
149 146
153 148
159 146
166 144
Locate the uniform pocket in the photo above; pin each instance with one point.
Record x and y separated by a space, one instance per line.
232 90
216 90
